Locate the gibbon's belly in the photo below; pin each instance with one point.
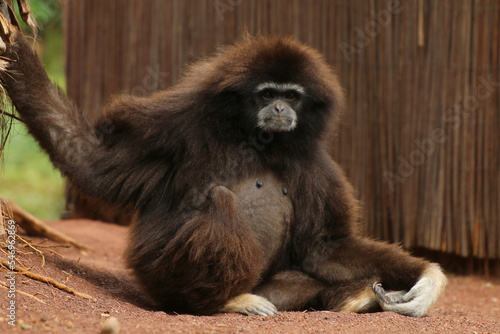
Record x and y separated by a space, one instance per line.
267 208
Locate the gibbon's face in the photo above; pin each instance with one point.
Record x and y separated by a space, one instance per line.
270 84
278 105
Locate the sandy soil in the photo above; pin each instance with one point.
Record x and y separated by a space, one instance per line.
469 305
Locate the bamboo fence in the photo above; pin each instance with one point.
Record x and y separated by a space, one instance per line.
421 136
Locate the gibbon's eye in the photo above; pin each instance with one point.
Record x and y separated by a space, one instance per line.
291 96
267 95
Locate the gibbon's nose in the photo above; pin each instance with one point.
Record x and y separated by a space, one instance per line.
279 107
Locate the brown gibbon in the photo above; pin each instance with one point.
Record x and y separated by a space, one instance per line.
239 206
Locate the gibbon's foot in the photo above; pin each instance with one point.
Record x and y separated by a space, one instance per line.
419 299
249 304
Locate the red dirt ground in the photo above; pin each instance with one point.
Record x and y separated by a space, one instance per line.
469 305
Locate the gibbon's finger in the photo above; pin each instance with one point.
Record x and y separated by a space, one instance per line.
380 294
397 296
7 11
8 23
388 297
25 11
4 9
417 307
5 26
3 34
8 19
262 309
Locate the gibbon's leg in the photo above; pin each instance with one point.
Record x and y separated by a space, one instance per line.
209 266
296 291
416 283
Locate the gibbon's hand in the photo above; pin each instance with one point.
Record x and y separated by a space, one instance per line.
419 299
9 23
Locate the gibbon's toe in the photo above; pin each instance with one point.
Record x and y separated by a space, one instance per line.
249 304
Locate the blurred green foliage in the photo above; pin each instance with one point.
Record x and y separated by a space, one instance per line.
46 11
28 177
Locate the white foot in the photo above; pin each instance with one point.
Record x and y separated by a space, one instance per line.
249 304
419 299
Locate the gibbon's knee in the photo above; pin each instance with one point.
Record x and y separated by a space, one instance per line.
212 258
202 268
223 201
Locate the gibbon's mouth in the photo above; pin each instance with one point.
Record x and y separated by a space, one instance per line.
278 123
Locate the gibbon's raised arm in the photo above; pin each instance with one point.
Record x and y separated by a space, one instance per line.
97 156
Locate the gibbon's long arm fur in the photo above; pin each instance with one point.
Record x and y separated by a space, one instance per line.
240 206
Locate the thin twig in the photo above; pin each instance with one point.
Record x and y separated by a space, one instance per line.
27 243
17 259
49 280
11 116
56 253
38 227
39 293
3 285
52 246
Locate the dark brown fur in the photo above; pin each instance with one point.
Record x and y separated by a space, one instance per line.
186 159
80 205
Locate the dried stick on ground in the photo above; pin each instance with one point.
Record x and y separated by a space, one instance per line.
3 285
49 280
35 226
